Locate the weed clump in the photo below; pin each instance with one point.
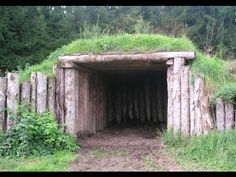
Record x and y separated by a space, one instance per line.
35 134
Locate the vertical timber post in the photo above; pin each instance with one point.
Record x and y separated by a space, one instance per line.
170 79
178 63
71 99
13 89
2 102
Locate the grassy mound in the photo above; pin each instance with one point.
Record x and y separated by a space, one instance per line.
214 151
214 69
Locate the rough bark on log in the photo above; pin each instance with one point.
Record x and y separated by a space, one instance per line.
229 116
71 100
60 95
192 105
157 56
206 118
170 113
41 92
178 63
198 115
130 96
142 104
118 101
124 101
164 97
220 114
13 89
136 106
147 99
154 101
185 120
2 102
33 81
160 99
25 93
51 95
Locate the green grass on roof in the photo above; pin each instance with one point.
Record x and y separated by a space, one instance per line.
213 68
122 42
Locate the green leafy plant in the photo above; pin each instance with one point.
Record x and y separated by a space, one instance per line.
35 134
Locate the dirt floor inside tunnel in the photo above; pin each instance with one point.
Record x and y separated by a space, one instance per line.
124 147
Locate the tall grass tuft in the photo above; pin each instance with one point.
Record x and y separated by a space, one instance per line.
214 151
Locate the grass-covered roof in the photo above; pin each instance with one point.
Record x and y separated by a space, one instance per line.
214 69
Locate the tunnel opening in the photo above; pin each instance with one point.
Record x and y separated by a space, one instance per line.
136 98
130 98
123 88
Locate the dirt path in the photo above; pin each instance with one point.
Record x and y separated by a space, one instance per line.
123 149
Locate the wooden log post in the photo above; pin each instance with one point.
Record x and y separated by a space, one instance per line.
124 101
154 101
118 101
26 93
130 97
160 99
41 103
60 95
2 102
142 103
185 120
13 90
147 99
33 99
229 116
206 118
197 106
71 100
178 63
192 104
51 95
220 114
170 113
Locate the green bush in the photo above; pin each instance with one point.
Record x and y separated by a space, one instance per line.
227 92
35 134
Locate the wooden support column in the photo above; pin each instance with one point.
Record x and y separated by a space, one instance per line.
51 95
220 114
2 102
71 99
160 98
124 100
26 93
33 80
178 63
41 103
13 89
118 101
197 106
154 100
206 118
185 120
60 95
229 116
147 98
170 110
192 105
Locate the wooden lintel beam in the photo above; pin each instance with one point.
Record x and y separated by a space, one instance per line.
158 56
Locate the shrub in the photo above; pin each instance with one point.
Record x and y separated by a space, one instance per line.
35 134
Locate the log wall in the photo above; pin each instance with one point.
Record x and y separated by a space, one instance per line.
87 101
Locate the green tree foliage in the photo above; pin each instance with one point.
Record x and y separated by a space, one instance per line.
28 34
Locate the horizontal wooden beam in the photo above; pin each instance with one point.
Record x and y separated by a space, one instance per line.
95 58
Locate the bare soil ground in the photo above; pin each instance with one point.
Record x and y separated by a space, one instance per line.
129 148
